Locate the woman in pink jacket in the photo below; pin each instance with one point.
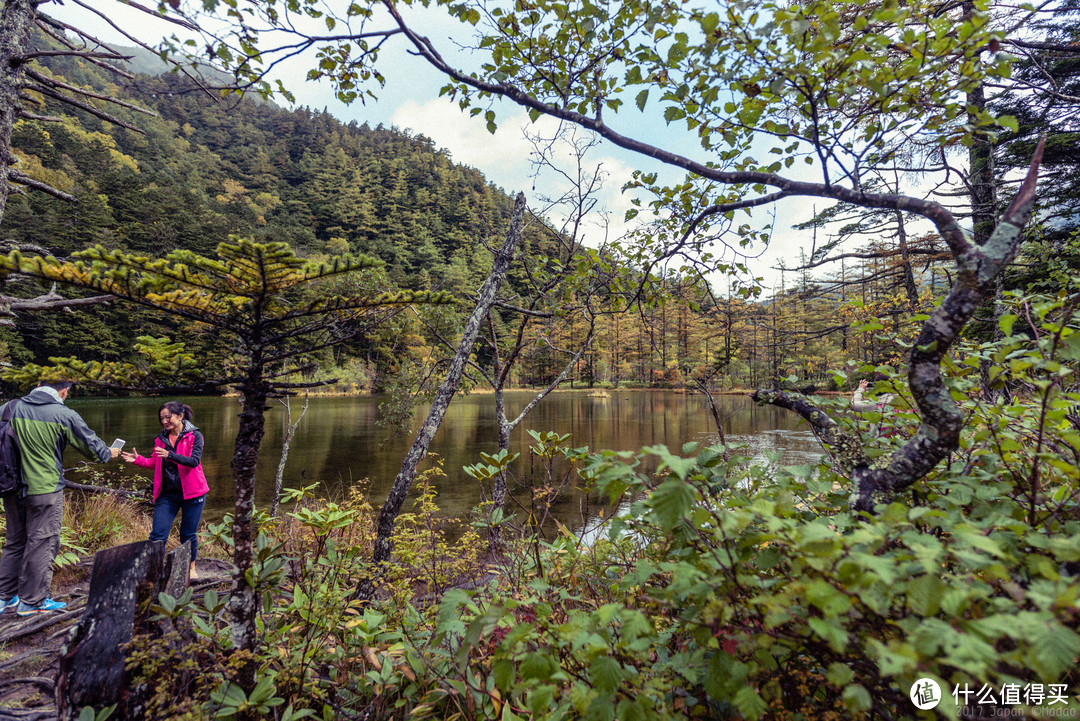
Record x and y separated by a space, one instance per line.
179 482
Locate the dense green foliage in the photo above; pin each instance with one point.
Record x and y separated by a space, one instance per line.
721 589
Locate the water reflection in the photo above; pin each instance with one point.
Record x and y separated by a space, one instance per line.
338 443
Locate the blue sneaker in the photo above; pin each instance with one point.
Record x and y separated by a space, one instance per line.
44 607
5 605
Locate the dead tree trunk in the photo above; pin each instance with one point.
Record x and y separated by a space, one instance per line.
403 482
123 582
905 259
290 426
507 425
984 203
704 388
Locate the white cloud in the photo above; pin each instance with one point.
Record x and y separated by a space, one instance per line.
503 157
506 157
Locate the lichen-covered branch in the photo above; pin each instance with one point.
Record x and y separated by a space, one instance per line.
85 107
939 432
394 500
90 488
845 448
11 306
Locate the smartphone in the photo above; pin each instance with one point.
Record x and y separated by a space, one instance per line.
118 443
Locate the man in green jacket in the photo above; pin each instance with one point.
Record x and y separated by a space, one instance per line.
44 427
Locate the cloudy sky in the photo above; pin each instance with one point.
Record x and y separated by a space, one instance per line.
409 100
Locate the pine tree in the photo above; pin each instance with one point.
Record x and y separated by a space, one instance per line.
253 295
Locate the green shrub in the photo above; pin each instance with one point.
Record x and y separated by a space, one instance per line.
722 588
733 590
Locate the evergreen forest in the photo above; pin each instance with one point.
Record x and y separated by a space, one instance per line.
204 168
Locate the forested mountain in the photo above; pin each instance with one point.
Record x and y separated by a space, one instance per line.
203 168
206 168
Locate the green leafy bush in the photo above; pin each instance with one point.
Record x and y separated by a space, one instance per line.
722 587
733 590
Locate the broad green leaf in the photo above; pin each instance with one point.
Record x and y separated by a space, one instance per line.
600 708
857 698
924 594
605 673
750 703
1054 648
831 632
537 666
671 501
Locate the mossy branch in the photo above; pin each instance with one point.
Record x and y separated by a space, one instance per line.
939 432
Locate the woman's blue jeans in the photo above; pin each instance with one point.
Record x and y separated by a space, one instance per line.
165 510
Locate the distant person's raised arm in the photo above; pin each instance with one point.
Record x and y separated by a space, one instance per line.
87 442
858 399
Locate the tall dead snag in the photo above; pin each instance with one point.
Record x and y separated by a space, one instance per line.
558 284
938 435
290 433
403 482
16 23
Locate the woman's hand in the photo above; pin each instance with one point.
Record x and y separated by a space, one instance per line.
863 384
161 452
130 457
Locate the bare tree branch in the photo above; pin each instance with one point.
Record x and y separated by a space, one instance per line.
939 432
23 179
87 108
943 219
53 82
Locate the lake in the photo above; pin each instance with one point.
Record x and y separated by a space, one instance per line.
339 443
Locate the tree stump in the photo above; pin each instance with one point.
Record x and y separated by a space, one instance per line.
174 577
123 582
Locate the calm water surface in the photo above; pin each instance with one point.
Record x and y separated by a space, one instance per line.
338 443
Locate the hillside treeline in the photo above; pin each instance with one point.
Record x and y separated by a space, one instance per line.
203 168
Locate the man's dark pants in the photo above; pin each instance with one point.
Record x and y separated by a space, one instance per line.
30 546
